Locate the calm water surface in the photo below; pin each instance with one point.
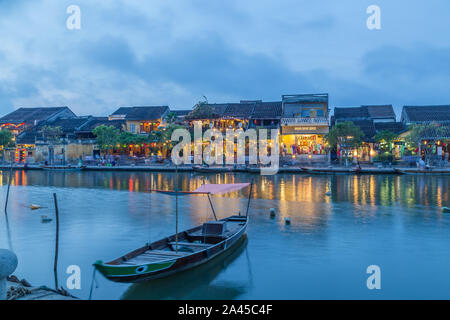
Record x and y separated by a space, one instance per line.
391 221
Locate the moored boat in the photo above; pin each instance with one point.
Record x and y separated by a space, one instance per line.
331 171
63 168
424 171
183 250
205 169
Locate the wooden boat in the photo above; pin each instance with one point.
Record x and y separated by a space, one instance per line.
198 282
379 171
183 250
205 169
331 171
63 168
415 171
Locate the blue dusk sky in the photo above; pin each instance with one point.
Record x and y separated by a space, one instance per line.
172 52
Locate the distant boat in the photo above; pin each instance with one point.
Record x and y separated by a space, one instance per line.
63 168
331 171
205 169
424 171
183 250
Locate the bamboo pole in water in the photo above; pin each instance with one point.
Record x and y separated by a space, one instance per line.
176 209
55 265
9 186
249 197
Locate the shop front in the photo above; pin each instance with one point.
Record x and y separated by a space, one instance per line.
304 138
24 153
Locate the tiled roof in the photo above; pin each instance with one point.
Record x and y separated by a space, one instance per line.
219 108
181 113
351 113
26 137
364 112
239 110
251 109
428 113
267 110
396 127
29 115
382 111
142 113
98 121
367 126
69 125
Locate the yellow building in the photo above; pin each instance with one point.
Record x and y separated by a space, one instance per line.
304 124
141 119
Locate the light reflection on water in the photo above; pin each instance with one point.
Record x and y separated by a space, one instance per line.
392 221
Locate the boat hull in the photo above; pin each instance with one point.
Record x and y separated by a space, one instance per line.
212 169
424 172
150 271
331 171
62 168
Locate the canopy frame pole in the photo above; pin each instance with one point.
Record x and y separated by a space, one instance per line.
176 209
212 207
249 198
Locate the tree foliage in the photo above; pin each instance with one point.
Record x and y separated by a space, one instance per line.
202 110
385 136
346 135
171 117
166 133
51 133
385 139
430 131
107 136
6 138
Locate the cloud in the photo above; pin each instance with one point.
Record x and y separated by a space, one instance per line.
173 52
418 74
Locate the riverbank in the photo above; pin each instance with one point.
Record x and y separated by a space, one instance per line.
367 169
22 290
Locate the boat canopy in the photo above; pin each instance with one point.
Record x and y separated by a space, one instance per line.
209 189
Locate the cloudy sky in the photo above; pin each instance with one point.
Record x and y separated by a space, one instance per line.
172 52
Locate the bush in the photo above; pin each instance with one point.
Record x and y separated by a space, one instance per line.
384 158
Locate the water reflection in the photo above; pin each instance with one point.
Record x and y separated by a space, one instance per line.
394 221
368 190
197 283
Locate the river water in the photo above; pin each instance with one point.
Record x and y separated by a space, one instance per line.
394 222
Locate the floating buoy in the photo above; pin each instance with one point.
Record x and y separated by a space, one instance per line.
45 219
445 209
272 213
287 220
35 207
328 193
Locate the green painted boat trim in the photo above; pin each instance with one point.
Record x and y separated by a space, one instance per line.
124 271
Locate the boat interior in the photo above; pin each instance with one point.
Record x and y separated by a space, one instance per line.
188 242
